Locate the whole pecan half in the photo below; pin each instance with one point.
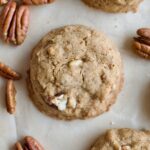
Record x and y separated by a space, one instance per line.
37 2
14 23
8 73
144 32
142 43
2 2
32 144
19 146
22 19
10 97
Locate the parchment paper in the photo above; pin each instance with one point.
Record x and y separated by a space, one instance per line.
132 108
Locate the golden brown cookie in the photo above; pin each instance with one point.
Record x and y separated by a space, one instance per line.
114 5
123 139
75 73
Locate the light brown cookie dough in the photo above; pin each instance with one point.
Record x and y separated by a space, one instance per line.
75 73
114 5
123 139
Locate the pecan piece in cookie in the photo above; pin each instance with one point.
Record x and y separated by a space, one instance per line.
8 73
37 2
14 23
10 97
32 144
142 43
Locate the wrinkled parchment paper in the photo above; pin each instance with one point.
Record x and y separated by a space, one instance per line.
132 108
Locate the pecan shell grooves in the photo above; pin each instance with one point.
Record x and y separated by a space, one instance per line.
14 23
142 43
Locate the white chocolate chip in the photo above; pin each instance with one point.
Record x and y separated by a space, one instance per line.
75 63
60 102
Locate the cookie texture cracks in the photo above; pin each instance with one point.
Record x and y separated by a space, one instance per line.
14 22
75 73
123 139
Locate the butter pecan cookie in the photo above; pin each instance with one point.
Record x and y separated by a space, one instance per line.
114 5
75 73
123 139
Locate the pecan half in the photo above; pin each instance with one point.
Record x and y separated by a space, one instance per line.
22 19
8 73
144 32
29 144
19 146
142 49
12 33
10 97
32 144
37 2
14 23
142 43
2 2
6 19
142 40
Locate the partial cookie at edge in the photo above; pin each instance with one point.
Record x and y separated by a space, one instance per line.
114 7
123 139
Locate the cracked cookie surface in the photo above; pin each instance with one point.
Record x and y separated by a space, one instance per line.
123 139
75 73
114 5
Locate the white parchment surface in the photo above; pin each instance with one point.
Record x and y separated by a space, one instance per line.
132 108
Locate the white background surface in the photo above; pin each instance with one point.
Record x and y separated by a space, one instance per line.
132 108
